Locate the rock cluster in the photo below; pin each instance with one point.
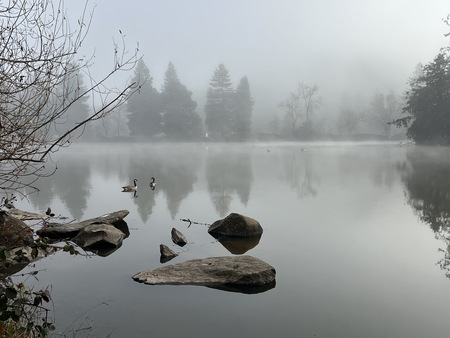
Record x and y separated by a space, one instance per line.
102 235
246 274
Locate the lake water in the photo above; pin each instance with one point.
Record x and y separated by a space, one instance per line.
356 232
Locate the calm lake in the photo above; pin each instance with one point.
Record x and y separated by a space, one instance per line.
358 235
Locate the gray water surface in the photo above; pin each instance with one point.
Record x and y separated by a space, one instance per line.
356 233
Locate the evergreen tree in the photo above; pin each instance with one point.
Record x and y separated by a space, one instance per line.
244 107
71 92
219 107
428 104
145 106
180 119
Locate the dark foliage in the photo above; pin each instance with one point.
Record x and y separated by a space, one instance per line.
244 107
219 107
428 104
145 118
180 118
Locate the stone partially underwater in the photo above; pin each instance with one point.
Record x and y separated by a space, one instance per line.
236 225
245 274
237 233
56 230
166 253
102 235
178 238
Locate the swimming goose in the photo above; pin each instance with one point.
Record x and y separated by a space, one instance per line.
152 184
129 188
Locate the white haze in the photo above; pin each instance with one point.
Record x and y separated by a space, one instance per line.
351 49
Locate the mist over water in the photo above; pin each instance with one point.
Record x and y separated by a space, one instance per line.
354 232
352 50
358 232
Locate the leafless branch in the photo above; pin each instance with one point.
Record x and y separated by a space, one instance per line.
39 61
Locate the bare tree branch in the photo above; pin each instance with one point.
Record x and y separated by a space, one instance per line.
39 60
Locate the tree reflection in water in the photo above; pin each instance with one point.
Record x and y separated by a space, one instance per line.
299 173
61 185
228 172
427 186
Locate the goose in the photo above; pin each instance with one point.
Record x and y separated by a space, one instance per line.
129 188
152 184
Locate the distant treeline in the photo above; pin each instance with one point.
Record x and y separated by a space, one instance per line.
171 114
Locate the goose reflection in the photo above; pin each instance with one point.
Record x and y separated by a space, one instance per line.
152 183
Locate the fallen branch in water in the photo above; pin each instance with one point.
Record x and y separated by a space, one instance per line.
192 222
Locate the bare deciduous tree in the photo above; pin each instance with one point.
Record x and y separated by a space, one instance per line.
308 96
348 121
38 63
304 101
292 112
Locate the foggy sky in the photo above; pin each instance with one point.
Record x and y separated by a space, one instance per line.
349 48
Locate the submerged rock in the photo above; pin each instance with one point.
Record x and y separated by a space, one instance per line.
236 225
234 273
178 238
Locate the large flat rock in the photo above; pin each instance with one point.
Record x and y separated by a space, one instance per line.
231 272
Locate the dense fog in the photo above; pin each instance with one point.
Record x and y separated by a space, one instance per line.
350 49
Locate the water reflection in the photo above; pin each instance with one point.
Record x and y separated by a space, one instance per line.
176 174
103 252
380 162
426 179
71 185
353 202
250 290
238 246
228 172
143 166
299 173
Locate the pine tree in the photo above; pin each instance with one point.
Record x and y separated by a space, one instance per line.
244 107
145 106
71 92
180 119
219 107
